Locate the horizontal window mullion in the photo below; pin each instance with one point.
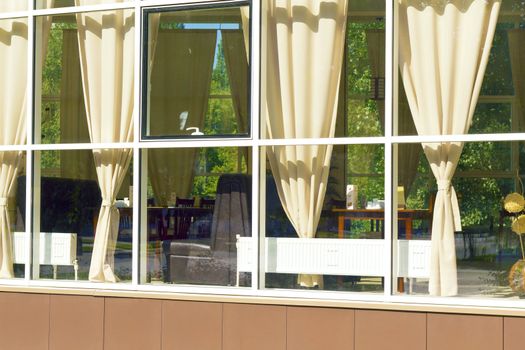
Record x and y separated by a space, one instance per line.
151 3
79 146
458 138
198 143
14 15
324 141
9 148
86 8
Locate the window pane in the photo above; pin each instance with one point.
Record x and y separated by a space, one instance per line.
72 214
198 73
499 105
12 193
198 202
485 246
86 86
324 217
322 75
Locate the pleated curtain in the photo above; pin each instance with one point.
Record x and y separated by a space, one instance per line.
236 58
408 153
106 47
13 113
517 62
443 52
305 55
245 23
180 83
73 120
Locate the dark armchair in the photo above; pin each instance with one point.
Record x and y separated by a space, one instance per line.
214 260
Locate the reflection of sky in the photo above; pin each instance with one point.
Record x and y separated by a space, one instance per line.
216 26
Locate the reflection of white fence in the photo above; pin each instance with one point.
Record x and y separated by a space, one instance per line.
344 257
55 249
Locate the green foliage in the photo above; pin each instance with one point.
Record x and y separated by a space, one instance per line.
363 117
220 119
51 84
365 162
498 75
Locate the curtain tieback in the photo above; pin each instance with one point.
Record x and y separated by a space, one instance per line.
3 201
446 185
106 203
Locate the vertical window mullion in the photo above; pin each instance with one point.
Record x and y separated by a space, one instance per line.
136 152
29 139
390 93
255 52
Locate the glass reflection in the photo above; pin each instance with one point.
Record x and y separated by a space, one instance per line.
486 245
198 73
197 212
326 232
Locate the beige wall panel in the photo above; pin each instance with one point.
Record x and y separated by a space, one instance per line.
132 324
24 321
464 332
390 330
254 327
191 325
514 329
311 328
76 322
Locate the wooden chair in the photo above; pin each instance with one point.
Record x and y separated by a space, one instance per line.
185 202
183 219
207 203
204 222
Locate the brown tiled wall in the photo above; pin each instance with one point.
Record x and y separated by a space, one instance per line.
37 321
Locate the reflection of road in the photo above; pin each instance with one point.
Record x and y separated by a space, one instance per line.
123 261
474 282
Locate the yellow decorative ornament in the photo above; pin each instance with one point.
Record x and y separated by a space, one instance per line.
517 276
518 224
514 203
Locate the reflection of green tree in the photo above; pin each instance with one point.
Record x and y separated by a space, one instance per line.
51 82
362 113
363 117
479 193
220 119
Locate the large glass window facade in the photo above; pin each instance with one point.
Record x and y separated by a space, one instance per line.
272 148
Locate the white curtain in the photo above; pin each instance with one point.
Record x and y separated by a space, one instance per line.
13 70
106 47
73 120
443 51
305 55
238 74
180 86
517 62
245 23
408 153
